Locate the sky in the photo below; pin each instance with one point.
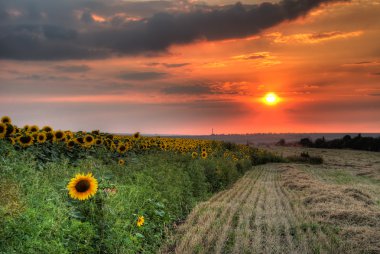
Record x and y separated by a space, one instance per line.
187 67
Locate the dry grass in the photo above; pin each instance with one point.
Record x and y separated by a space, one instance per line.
352 211
257 215
291 208
358 163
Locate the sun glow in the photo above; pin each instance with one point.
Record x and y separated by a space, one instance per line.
271 99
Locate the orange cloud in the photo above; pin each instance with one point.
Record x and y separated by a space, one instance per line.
98 18
311 38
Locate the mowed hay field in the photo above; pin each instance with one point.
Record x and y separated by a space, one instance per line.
291 208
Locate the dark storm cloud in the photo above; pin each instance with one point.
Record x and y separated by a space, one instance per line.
146 75
48 30
72 68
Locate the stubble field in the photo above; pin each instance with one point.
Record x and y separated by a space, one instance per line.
291 208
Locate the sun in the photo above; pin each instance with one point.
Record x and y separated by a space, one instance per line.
271 99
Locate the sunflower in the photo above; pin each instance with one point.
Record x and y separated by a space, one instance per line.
59 135
140 221
47 129
26 127
13 141
98 141
194 155
204 155
41 137
95 132
79 140
33 128
88 140
6 120
70 143
69 134
136 136
203 149
121 148
25 140
10 129
121 162
82 186
3 130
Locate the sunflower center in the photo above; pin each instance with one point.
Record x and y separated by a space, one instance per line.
25 140
82 186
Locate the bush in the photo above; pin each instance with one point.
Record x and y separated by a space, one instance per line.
304 157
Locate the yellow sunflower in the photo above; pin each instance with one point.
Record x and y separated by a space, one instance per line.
59 135
33 128
121 148
204 155
140 221
69 134
13 141
79 140
47 129
88 140
6 120
121 162
3 130
10 129
25 140
70 143
98 141
194 155
41 137
136 136
82 186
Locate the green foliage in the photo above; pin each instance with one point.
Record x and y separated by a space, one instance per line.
37 215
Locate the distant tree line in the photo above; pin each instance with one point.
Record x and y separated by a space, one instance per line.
347 142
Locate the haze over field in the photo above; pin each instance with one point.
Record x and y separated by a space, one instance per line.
184 67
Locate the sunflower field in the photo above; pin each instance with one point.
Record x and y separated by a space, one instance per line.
94 192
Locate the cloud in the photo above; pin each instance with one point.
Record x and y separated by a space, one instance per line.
362 64
253 56
175 65
40 77
73 68
48 30
311 38
146 75
189 90
208 88
169 65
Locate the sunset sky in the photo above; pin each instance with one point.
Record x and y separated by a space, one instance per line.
185 67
